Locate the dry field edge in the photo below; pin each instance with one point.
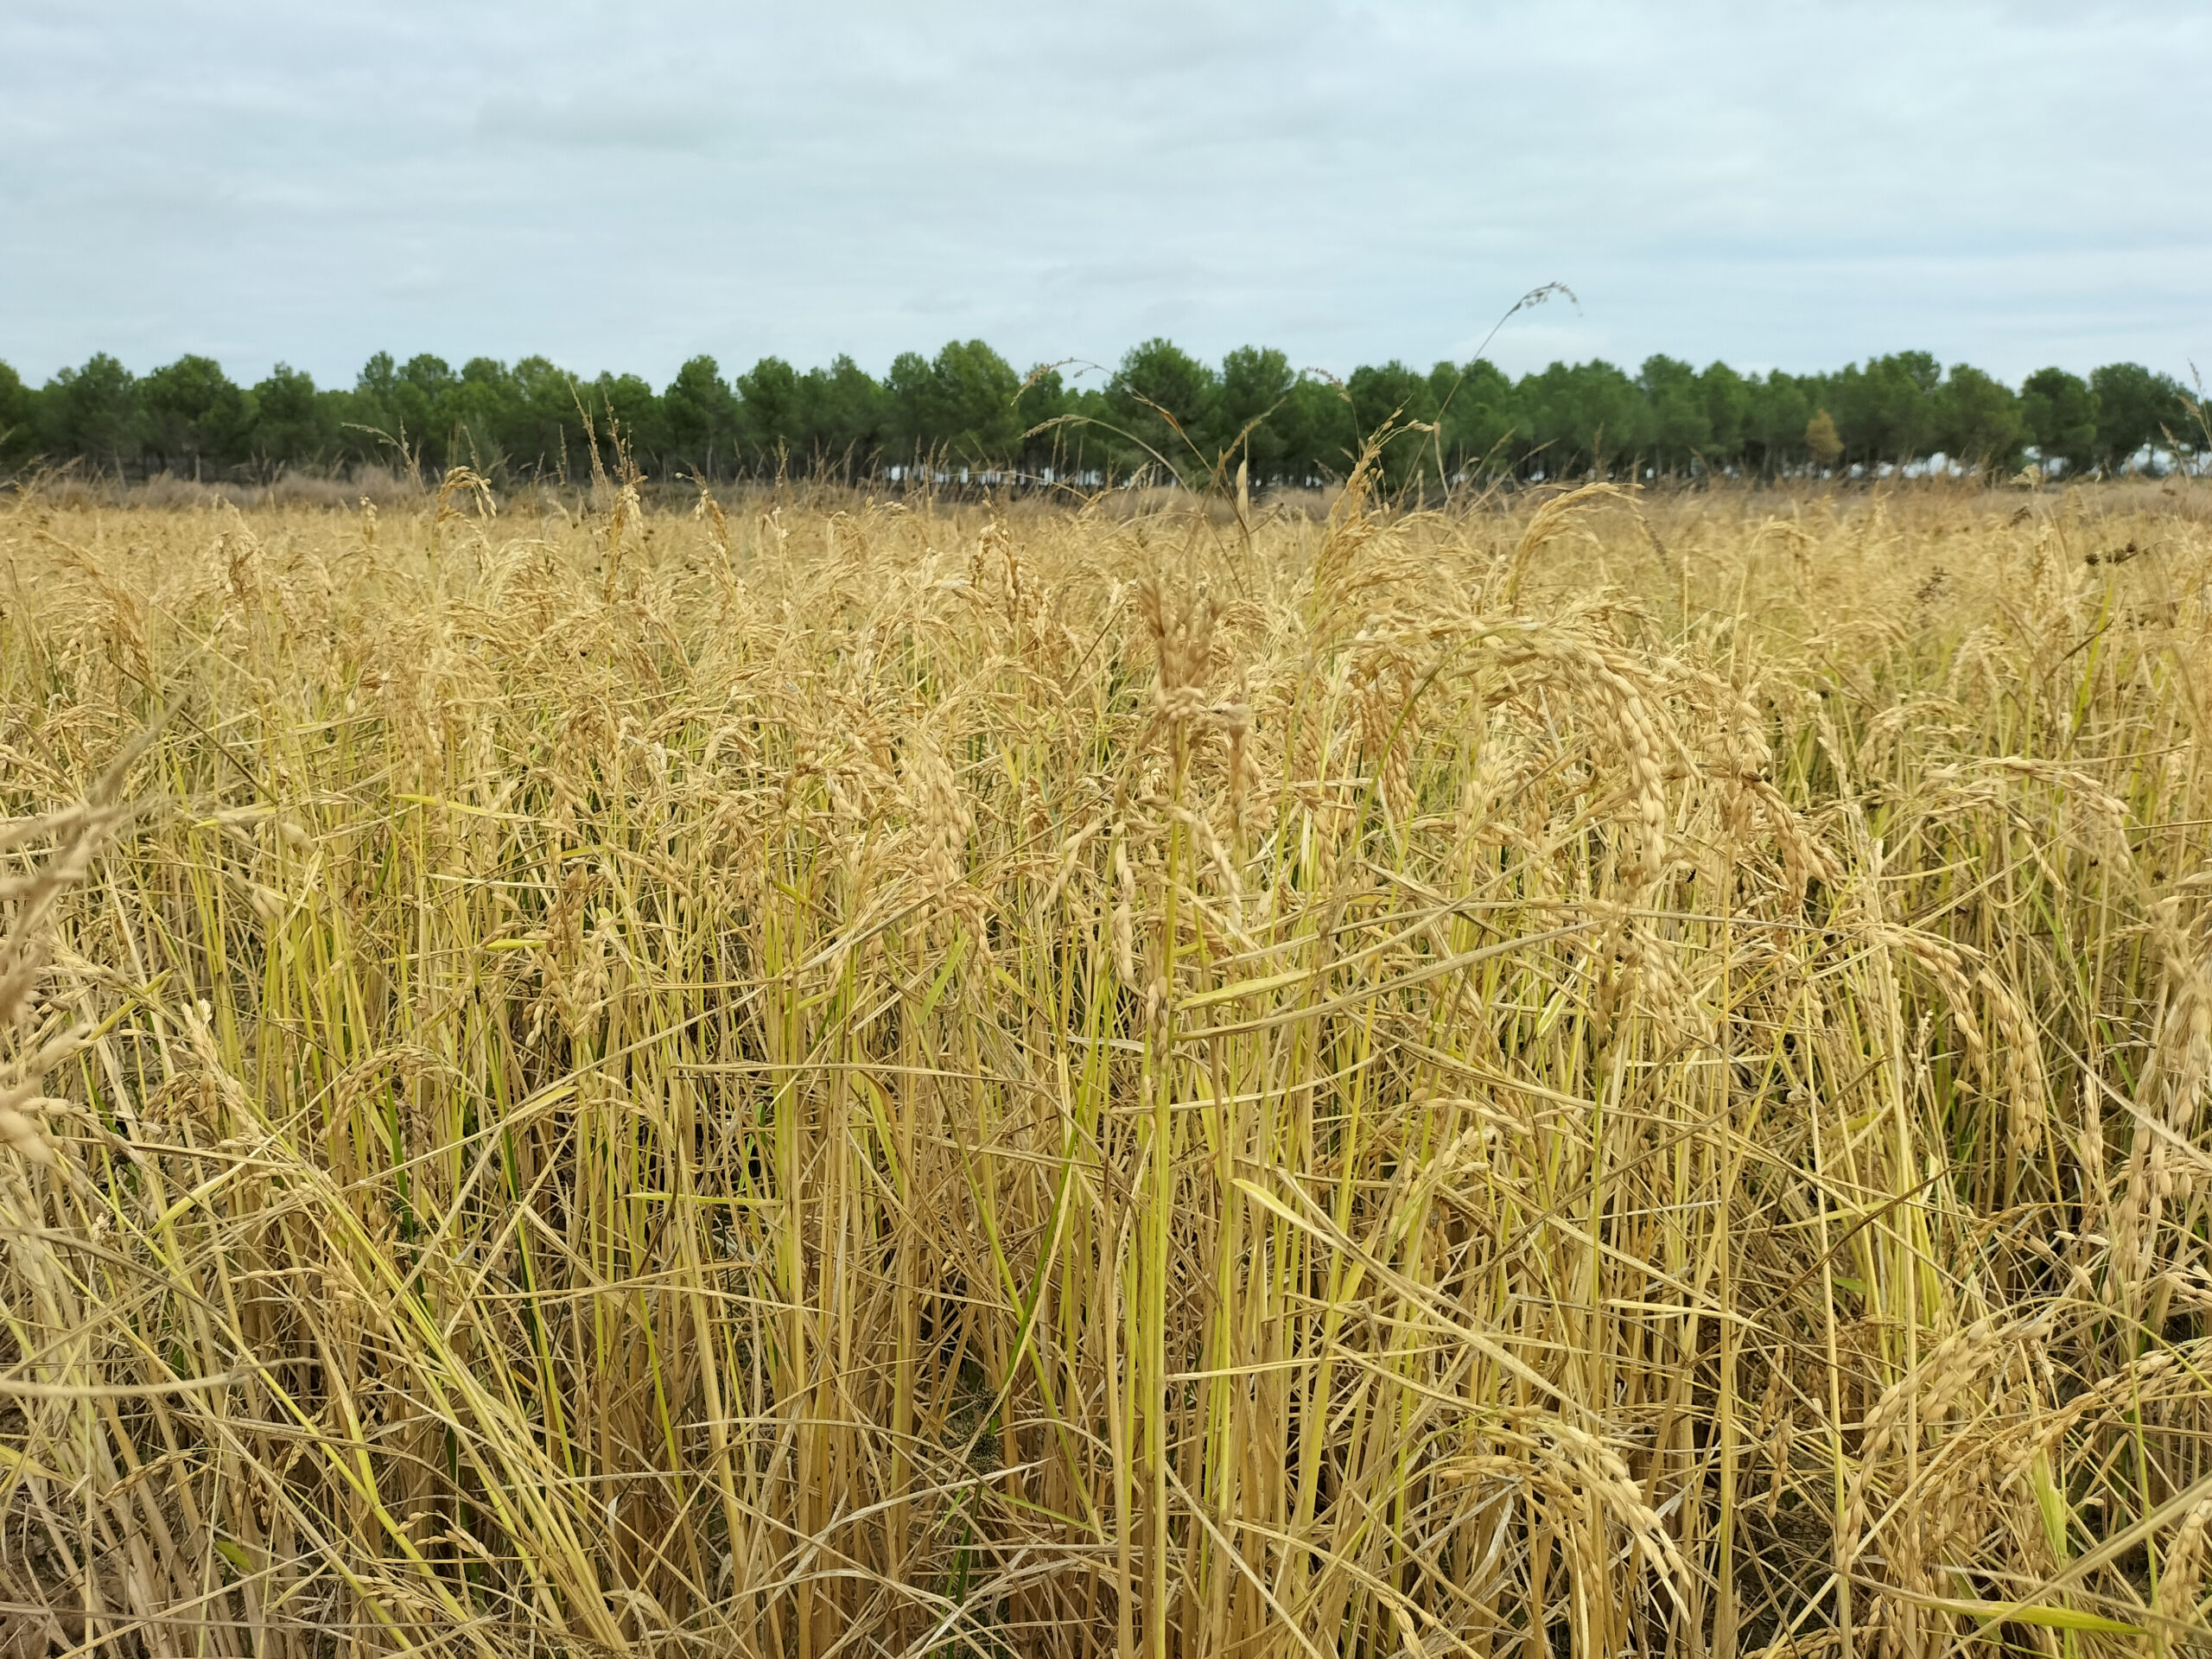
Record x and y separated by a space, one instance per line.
1586 1074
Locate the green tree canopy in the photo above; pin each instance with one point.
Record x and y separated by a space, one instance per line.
18 418
967 406
1585 417
627 412
1681 420
771 419
1977 419
93 412
544 433
1169 402
194 415
291 423
2135 409
1727 399
845 415
1781 407
1885 409
1255 384
1045 398
479 414
703 416
1387 392
2058 411
1476 407
968 403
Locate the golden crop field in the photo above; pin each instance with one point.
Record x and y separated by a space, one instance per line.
1584 1073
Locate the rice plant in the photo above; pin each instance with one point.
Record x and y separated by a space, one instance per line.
808 1076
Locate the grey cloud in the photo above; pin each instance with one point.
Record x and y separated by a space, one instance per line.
623 185
625 124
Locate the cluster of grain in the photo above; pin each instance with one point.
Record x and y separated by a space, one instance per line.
792 1079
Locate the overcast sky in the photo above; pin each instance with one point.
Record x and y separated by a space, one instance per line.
622 186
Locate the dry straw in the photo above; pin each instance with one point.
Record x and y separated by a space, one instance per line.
811 1077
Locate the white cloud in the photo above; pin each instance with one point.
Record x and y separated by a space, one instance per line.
620 186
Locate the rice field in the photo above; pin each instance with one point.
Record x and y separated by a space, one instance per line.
798 1076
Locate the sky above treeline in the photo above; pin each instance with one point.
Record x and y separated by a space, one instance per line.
623 185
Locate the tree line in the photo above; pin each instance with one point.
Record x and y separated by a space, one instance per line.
1161 411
